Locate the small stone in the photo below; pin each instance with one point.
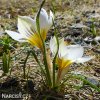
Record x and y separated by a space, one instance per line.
93 81
79 25
95 15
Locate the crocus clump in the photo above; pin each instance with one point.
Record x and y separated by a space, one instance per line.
67 55
28 31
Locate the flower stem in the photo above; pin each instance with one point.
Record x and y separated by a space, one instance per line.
44 49
24 66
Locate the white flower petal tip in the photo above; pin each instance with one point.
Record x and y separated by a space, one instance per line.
53 45
43 14
84 59
23 18
26 25
43 11
74 52
45 19
16 36
26 19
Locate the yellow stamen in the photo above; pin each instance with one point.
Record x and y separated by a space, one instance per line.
63 63
63 66
36 40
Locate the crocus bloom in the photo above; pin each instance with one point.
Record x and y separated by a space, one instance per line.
67 55
28 30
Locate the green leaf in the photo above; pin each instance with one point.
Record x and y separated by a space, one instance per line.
24 66
43 42
35 56
6 62
37 18
86 82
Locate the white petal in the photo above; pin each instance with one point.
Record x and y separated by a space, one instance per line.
62 48
53 45
83 59
16 36
74 52
43 19
26 25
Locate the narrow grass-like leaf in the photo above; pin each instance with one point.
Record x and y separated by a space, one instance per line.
44 49
82 78
9 60
38 61
93 28
6 62
37 18
86 82
24 66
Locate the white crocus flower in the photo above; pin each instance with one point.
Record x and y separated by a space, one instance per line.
28 31
67 55
73 53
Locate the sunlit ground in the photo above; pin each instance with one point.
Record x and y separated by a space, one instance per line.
68 13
